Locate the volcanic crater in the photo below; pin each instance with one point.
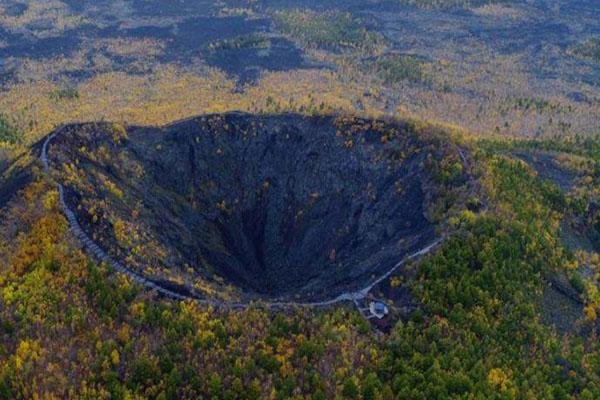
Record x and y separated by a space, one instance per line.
267 206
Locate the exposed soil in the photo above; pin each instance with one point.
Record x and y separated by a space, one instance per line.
577 236
561 311
278 206
548 167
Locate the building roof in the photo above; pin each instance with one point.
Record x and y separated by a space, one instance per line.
378 309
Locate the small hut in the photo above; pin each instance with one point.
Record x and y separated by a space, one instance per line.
378 309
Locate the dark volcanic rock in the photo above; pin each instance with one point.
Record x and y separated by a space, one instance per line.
278 206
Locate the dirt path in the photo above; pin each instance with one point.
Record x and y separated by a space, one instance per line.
100 255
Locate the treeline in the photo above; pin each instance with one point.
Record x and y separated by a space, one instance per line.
450 3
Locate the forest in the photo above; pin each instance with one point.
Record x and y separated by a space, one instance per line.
70 329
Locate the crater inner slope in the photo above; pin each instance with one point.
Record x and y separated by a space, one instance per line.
279 206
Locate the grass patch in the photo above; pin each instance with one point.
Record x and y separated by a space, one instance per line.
331 30
252 41
400 67
589 49
68 93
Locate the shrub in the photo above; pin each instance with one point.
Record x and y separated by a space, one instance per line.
144 371
9 133
68 93
396 68
119 132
